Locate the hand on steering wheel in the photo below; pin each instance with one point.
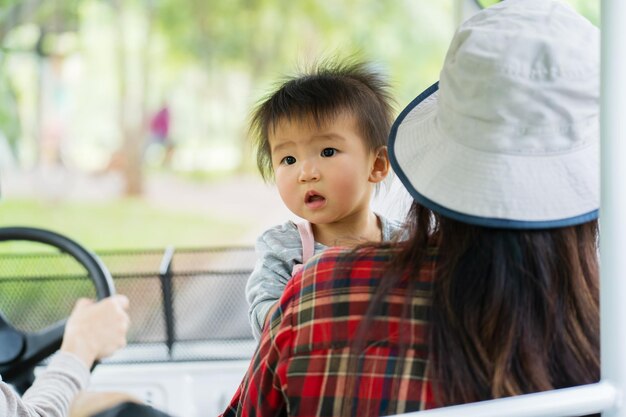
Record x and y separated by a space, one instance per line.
20 351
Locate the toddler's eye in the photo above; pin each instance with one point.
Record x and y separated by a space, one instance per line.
288 160
326 152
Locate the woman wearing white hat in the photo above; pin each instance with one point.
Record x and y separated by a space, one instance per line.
496 293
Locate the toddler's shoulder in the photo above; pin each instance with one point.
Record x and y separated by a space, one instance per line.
279 231
283 237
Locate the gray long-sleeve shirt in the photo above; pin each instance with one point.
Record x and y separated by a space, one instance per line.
278 250
51 394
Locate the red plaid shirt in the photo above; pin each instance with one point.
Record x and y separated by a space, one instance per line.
300 366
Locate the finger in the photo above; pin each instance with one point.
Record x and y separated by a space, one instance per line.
118 300
82 303
122 301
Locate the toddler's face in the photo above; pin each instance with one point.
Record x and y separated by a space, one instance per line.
323 174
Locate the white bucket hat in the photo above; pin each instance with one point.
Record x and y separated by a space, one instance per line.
509 136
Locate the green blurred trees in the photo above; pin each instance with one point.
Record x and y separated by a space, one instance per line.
151 49
52 19
256 40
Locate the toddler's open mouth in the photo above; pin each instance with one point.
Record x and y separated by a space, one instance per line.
314 200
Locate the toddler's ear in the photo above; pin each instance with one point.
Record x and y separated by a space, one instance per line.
380 167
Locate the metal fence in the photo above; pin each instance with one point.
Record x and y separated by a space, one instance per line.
185 304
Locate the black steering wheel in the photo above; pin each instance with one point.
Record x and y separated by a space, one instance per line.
21 351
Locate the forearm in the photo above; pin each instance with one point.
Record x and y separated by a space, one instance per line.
51 394
263 291
278 250
259 315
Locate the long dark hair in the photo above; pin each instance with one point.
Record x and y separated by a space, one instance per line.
513 311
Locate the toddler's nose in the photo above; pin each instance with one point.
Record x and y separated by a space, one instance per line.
308 172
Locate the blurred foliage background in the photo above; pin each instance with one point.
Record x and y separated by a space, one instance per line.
81 83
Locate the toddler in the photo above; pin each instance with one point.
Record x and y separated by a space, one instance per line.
322 138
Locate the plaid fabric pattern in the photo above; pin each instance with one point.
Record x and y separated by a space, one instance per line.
301 367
